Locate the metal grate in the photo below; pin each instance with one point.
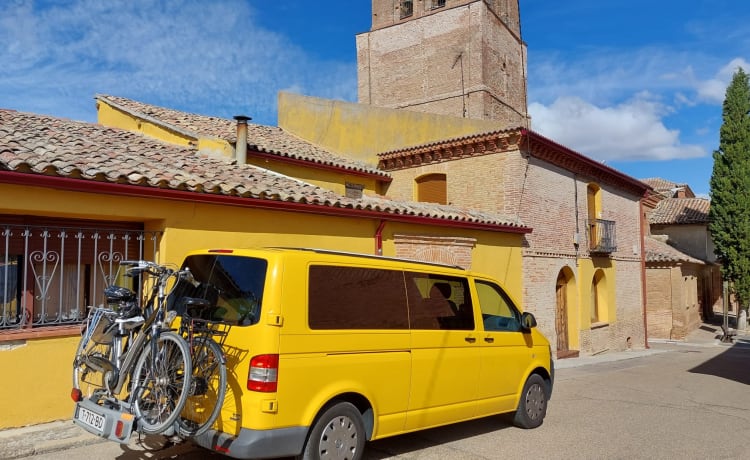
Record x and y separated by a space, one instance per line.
50 274
601 235
407 8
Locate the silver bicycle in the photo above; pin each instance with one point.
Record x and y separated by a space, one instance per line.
129 361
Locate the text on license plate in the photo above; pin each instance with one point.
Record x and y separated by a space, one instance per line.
91 419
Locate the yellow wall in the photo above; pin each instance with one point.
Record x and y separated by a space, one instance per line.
330 180
360 131
586 270
41 379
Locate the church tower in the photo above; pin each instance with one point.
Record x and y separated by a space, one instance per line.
463 58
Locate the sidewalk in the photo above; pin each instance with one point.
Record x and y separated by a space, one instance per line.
61 435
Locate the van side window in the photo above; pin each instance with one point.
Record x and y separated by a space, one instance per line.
439 302
356 298
498 311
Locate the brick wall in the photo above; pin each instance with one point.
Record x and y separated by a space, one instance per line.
461 60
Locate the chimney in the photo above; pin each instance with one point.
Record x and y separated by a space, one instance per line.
241 146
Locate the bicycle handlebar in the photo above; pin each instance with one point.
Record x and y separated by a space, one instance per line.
154 269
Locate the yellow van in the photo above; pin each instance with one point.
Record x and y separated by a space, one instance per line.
328 350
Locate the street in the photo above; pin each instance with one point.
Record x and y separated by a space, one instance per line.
684 401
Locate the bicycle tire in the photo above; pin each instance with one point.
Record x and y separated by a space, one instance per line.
86 378
207 389
160 386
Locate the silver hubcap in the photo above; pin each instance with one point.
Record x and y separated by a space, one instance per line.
535 401
339 439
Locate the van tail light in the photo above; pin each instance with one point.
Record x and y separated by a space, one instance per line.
264 373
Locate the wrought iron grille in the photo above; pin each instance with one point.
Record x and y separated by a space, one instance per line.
407 8
50 274
601 236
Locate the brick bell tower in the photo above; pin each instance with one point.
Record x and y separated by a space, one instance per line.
463 58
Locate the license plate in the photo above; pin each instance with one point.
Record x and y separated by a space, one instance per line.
91 419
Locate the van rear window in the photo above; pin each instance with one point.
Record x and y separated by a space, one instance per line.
233 285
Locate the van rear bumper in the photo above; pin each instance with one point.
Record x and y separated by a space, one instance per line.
282 442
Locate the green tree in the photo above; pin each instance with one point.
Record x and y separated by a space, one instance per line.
730 189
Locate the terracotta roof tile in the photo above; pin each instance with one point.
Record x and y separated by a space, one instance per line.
37 144
680 211
266 139
659 251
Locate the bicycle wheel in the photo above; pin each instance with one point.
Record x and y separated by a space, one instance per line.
87 377
92 363
207 388
160 383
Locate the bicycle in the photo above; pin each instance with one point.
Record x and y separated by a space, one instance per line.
119 346
209 377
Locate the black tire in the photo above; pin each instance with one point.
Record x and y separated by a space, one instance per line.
532 406
338 433
207 388
160 386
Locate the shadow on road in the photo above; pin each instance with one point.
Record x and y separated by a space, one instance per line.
731 365
409 443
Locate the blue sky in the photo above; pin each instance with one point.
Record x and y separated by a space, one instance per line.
637 84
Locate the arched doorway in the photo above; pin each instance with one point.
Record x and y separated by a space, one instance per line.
562 323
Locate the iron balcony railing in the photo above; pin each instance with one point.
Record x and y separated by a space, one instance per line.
601 234
49 275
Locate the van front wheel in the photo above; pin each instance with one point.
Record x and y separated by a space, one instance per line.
533 404
338 433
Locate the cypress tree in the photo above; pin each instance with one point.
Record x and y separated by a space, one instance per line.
730 189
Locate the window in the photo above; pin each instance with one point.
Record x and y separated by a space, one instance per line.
354 190
432 188
598 302
498 311
407 8
50 270
233 285
436 4
439 302
356 298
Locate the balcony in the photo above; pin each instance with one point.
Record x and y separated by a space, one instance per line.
601 235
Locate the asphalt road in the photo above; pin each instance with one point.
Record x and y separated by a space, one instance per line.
686 402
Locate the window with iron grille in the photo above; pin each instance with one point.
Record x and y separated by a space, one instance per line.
435 4
51 270
407 8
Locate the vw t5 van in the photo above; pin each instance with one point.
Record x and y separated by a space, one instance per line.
329 350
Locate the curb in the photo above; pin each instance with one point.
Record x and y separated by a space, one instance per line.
44 438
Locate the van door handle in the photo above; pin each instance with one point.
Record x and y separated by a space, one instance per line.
489 339
470 339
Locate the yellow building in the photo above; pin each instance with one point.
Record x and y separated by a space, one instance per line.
79 197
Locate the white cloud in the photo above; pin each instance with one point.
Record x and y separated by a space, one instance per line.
632 130
714 89
204 57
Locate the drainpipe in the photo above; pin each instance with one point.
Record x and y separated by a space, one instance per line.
643 270
241 146
379 238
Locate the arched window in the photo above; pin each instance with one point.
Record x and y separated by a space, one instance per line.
598 298
432 188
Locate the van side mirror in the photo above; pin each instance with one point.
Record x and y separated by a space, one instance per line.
528 321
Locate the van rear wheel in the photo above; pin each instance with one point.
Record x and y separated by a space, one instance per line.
338 433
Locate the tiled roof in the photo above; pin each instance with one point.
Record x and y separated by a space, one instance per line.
680 211
668 188
266 139
659 184
659 251
504 140
48 146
